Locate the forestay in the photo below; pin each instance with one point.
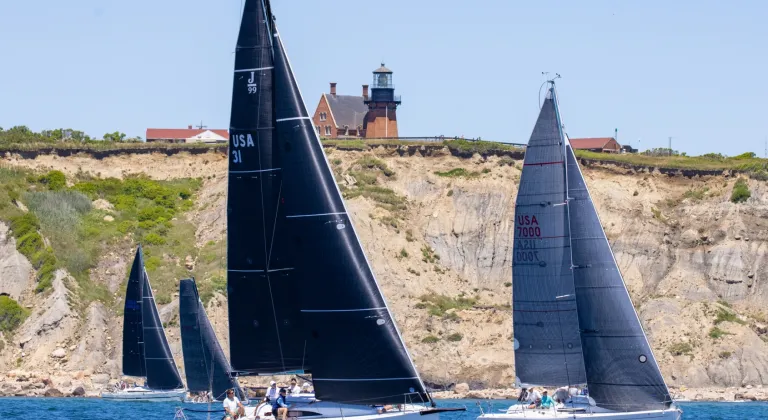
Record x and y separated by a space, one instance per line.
546 329
264 320
205 365
357 350
622 372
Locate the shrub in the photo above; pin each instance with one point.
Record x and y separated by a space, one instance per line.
725 354
454 337
153 238
740 191
508 284
409 235
414 272
24 224
724 315
403 253
439 305
679 349
370 162
716 333
428 254
450 193
54 180
11 314
457 173
430 339
696 193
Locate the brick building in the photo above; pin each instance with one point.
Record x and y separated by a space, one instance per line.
366 116
597 144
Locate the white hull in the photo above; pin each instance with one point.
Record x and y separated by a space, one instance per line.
143 394
335 411
519 412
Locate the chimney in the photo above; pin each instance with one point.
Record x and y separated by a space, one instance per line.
189 127
333 89
365 92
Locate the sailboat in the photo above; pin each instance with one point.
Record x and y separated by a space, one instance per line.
145 348
205 364
574 323
321 312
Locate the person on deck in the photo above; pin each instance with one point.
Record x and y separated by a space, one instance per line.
233 408
534 398
305 388
547 401
271 392
280 406
295 388
523 395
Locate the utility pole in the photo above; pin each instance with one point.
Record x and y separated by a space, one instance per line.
201 126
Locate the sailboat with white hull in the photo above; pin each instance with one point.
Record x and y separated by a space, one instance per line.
145 347
321 312
574 322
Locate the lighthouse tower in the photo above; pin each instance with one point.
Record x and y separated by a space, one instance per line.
381 118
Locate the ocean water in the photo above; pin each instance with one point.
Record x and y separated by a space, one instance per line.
96 409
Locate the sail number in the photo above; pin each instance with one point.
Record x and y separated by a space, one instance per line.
527 255
252 84
238 141
527 226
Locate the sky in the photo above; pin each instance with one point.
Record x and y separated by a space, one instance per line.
692 70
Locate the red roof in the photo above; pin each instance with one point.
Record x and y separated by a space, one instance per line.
181 133
590 142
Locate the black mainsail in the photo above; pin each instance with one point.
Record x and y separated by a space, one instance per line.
622 373
357 352
546 326
205 364
265 330
133 333
145 347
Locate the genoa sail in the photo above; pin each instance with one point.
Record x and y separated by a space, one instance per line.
162 373
339 294
265 330
133 333
622 373
545 322
205 364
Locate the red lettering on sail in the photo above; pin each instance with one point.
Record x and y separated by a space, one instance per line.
527 226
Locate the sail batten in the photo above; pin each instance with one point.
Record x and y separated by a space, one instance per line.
622 372
265 324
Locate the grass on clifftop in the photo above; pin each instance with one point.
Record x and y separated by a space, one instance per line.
746 162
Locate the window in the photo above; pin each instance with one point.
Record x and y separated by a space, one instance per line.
323 116
327 130
317 129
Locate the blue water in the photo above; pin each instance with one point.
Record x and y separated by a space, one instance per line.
92 408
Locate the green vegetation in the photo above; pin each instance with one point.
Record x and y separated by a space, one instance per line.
439 305
724 315
370 163
430 339
716 333
657 214
450 193
724 303
414 272
55 180
506 161
403 254
409 235
428 254
481 147
454 337
11 314
508 284
458 173
707 162
679 349
740 191
724 354
696 194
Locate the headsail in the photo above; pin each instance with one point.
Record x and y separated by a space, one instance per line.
161 368
622 373
205 365
133 333
339 294
546 330
264 319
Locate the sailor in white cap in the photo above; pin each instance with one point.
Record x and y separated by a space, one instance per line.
272 391
305 388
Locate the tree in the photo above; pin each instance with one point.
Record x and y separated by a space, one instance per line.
116 136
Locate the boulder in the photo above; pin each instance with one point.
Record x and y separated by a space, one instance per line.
53 392
461 388
59 353
78 392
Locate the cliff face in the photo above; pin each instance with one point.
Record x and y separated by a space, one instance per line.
438 231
